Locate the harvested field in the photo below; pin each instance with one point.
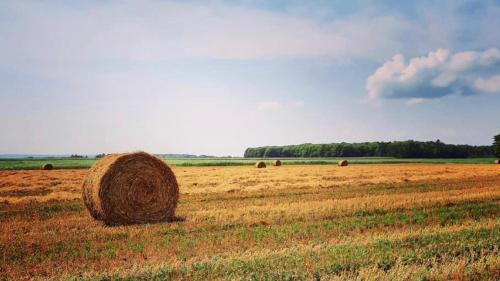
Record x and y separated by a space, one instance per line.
404 221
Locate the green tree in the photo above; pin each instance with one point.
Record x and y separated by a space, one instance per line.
401 149
496 144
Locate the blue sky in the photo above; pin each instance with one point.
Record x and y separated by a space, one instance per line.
215 77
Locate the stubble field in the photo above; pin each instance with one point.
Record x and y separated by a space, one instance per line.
397 221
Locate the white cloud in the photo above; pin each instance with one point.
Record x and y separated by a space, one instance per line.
414 101
488 85
270 105
146 31
438 74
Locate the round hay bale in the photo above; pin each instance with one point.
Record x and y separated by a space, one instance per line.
276 163
131 188
343 163
497 161
47 167
260 164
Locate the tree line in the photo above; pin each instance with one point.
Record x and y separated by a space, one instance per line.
78 156
398 149
496 144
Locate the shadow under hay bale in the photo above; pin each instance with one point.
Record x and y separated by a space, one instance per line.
343 163
277 163
260 164
131 188
47 167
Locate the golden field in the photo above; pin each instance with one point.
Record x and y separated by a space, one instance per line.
323 222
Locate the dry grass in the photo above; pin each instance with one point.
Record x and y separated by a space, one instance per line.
376 221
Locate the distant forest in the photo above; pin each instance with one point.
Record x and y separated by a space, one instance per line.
398 149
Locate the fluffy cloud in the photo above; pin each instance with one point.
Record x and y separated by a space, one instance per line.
490 85
438 74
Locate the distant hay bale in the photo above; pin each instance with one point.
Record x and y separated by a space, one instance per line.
276 163
343 163
47 167
497 161
260 164
131 188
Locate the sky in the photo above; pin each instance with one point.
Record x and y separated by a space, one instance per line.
216 77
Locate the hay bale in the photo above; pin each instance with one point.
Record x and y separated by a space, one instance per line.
260 164
276 163
131 188
47 167
497 161
343 163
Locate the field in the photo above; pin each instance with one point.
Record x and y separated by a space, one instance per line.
295 222
68 163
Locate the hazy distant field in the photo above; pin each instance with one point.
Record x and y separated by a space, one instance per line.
384 222
67 163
